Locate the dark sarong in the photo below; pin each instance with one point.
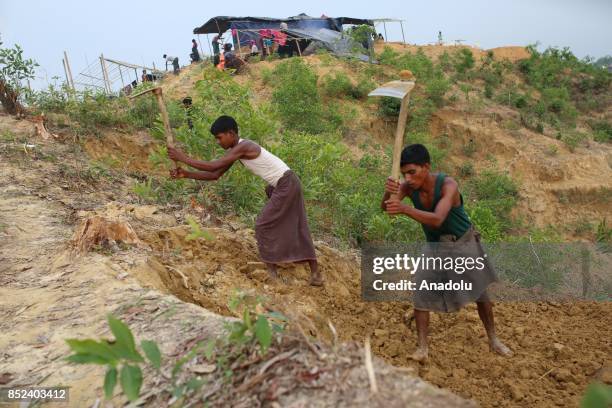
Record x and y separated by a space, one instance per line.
452 300
281 228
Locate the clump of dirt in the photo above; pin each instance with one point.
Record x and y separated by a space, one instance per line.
122 151
102 231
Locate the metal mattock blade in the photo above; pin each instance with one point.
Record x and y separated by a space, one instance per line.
394 89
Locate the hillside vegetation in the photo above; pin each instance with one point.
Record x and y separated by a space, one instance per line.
475 112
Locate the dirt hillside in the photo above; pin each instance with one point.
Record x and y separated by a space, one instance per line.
50 292
559 347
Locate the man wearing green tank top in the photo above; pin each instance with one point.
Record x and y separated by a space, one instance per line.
438 207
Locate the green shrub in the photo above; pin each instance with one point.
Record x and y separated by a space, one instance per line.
552 150
14 71
52 99
436 88
421 66
336 85
143 112
573 139
421 108
602 131
497 192
469 148
361 34
495 185
267 76
388 56
388 106
520 102
89 111
445 61
566 82
297 99
486 222
464 60
363 87
466 170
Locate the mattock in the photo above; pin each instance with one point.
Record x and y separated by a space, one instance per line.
157 91
398 89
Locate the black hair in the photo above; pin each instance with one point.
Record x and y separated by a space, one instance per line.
415 154
223 124
164 56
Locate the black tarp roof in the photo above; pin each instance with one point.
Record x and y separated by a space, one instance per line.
220 24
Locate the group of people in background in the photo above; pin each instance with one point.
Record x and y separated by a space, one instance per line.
266 43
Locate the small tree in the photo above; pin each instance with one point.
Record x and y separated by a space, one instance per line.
13 70
361 34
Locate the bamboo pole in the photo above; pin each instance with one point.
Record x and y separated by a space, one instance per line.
66 72
105 74
298 47
200 44
69 75
121 76
209 46
238 40
403 37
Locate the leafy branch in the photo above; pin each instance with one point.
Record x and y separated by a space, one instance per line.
120 356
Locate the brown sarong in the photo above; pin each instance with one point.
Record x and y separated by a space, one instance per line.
452 300
281 229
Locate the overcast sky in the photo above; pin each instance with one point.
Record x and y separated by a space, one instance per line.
141 32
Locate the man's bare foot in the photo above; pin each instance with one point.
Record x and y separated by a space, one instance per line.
272 272
421 354
316 280
500 348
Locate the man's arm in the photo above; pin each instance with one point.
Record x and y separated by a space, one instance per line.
431 219
198 175
393 187
224 162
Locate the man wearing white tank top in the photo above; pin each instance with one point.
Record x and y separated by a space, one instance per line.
281 228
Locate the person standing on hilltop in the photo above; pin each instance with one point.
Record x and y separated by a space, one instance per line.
438 207
281 228
195 54
215 44
174 61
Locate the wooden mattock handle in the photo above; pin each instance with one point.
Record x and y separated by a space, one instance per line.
165 119
399 138
405 75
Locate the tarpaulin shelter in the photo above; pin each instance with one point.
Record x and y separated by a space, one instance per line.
326 30
221 24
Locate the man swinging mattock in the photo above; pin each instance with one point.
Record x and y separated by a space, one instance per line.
438 207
